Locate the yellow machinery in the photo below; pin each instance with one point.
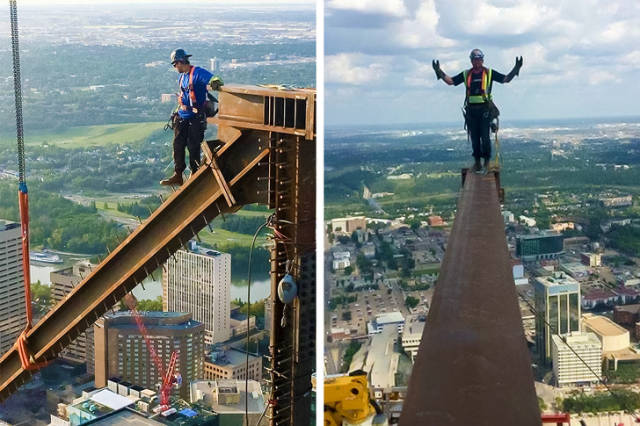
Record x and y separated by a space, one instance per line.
347 401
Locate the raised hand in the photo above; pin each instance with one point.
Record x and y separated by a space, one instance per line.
436 67
518 65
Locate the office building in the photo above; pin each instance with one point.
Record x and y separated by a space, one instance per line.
379 359
411 338
232 364
62 282
214 65
543 245
227 398
382 320
13 318
346 225
557 302
567 367
199 282
121 350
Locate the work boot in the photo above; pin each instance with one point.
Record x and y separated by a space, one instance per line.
176 179
485 166
476 166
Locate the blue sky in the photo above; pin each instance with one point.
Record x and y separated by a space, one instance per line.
581 58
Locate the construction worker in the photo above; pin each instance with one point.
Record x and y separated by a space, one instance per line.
478 106
189 120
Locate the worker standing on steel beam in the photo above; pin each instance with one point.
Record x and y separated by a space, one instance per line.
189 121
479 109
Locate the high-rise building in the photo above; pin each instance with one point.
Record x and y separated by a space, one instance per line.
62 282
568 368
232 364
557 310
199 282
13 318
214 65
121 350
544 245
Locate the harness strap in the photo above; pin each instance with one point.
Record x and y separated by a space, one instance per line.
485 81
192 93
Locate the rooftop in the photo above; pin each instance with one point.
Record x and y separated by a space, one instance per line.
603 325
389 317
559 281
577 340
154 320
202 389
110 399
8 226
540 234
229 357
382 360
633 309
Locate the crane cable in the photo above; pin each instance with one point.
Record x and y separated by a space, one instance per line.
26 359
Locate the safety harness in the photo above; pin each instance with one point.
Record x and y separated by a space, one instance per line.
484 96
486 81
192 93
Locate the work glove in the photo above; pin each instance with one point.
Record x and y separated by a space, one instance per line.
216 83
516 68
436 67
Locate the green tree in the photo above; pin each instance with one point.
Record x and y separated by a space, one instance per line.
411 302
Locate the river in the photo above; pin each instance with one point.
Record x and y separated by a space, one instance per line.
260 288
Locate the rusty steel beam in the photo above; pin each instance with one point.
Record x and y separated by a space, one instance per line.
242 164
473 366
288 116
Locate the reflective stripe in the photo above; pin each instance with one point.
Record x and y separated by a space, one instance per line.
477 99
486 79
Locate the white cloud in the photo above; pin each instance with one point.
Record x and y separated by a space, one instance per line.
354 69
565 44
420 31
385 7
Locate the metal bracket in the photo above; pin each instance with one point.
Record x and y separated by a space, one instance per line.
217 173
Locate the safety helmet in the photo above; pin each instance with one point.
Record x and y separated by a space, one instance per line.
476 54
179 55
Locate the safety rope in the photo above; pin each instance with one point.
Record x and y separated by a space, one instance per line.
498 160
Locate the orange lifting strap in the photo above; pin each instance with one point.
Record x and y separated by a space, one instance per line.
26 359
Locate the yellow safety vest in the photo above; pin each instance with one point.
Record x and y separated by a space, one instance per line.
486 79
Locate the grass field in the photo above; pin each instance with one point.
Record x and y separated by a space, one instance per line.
86 136
222 238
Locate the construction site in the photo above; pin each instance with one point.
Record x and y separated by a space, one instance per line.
264 153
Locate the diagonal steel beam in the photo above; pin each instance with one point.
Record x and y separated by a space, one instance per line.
473 366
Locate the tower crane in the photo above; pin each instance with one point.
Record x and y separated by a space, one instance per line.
168 376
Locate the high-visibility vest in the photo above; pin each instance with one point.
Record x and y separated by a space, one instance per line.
192 93
486 83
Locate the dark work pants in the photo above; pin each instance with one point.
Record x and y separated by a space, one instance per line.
188 133
478 128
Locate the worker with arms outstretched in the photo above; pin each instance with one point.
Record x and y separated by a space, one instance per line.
189 121
479 108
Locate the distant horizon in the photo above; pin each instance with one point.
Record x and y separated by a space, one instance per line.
458 123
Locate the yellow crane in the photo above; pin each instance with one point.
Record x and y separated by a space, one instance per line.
347 401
